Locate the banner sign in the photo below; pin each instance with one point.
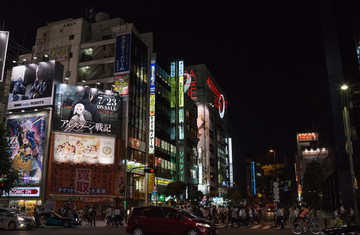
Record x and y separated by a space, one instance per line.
121 83
123 52
181 83
23 192
81 181
60 54
85 110
32 85
27 137
88 149
4 40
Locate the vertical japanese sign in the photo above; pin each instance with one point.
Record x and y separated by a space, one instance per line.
181 123
4 40
173 85
181 83
122 54
181 165
122 63
152 122
152 110
82 181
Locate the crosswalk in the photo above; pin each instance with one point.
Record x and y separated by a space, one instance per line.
257 226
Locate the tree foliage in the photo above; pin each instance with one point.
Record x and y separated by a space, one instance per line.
312 181
8 175
274 171
175 189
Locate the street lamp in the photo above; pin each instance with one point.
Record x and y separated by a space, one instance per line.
273 151
347 127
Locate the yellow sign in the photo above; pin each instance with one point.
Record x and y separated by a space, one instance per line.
151 182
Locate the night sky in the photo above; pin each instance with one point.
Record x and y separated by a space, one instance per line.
266 55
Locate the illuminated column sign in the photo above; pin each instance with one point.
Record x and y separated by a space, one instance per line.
181 166
122 63
231 164
181 100
173 85
253 183
4 40
152 109
181 83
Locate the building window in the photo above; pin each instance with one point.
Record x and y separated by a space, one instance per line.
71 37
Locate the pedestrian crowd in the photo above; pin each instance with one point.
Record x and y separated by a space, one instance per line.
233 216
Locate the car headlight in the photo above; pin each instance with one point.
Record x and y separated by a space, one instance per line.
21 219
203 225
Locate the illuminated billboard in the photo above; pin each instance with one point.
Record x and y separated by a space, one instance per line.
121 83
190 87
88 149
123 53
4 40
81 181
181 83
27 138
85 110
152 110
32 84
219 99
306 137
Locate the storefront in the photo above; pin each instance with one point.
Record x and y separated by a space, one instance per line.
23 198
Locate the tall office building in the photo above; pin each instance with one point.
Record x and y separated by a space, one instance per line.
214 156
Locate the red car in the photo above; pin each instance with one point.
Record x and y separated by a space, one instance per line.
167 220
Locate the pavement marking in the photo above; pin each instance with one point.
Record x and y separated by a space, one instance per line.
266 227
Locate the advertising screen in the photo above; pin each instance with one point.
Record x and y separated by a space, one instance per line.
85 110
27 137
32 85
71 148
4 39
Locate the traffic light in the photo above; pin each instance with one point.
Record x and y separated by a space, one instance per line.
150 170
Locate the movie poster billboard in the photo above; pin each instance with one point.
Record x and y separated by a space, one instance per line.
88 149
85 110
26 134
32 84
4 40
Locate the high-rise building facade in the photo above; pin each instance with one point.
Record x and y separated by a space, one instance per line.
212 122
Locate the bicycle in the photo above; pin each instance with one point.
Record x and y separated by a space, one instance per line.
298 227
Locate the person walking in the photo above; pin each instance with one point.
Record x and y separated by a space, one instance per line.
108 215
280 218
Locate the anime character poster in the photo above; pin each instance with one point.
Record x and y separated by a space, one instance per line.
85 110
32 84
27 136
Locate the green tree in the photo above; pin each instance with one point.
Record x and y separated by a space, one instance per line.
234 196
175 189
272 172
312 182
196 196
8 175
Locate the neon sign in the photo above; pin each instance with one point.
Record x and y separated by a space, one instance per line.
152 111
190 87
220 101
181 83
253 182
